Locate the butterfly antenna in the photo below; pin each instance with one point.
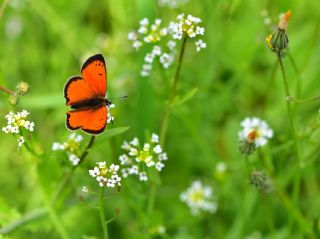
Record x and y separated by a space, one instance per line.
118 98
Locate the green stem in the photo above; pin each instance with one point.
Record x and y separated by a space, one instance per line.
290 113
152 197
3 6
302 101
165 121
295 68
297 179
102 216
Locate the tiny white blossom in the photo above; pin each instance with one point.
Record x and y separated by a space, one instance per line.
166 60
149 58
106 176
157 149
74 159
20 141
136 44
200 44
84 189
143 176
154 138
159 166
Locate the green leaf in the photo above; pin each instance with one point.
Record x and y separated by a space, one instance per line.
179 101
112 132
43 101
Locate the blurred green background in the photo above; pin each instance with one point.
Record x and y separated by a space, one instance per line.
46 42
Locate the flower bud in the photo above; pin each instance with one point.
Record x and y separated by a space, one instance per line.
278 41
22 88
260 181
13 100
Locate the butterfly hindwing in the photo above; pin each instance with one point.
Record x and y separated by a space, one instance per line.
94 73
77 90
92 121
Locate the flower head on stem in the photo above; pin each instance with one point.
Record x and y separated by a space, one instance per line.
140 157
199 198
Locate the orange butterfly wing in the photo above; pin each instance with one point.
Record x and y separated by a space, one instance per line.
92 121
77 90
95 75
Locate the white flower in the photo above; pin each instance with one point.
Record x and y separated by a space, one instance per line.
144 22
71 145
154 138
94 172
20 141
159 166
74 159
149 58
57 146
84 189
135 142
123 159
166 60
132 36
143 176
171 45
146 147
157 149
125 145
136 44
200 44
156 51
255 130
199 197
102 164
163 156
199 30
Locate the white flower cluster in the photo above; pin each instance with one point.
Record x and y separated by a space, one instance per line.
70 146
199 197
106 176
17 121
255 131
171 3
153 34
138 157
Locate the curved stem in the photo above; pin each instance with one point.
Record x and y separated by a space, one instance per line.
4 89
102 215
302 101
165 121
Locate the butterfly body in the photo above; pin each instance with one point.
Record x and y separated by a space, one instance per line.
85 95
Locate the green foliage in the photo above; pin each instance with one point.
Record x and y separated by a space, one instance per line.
43 43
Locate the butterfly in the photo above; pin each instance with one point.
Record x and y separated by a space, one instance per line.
85 95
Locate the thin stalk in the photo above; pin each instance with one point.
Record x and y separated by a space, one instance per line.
4 89
290 112
165 121
297 179
102 216
3 6
295 68
152 197
301 101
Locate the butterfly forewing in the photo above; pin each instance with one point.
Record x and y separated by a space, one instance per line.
94 73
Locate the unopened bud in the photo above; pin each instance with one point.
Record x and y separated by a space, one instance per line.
22 88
